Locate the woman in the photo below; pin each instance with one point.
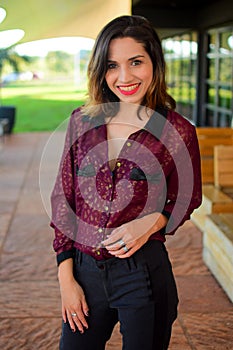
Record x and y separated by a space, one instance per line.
126 180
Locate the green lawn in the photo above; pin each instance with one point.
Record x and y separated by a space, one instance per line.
41 106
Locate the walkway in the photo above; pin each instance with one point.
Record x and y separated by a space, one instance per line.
29 298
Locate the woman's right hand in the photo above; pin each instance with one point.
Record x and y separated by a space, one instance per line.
72 298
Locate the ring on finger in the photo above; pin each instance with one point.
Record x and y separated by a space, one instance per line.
73 314
125 249
121 242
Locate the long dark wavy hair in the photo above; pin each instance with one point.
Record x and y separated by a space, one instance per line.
141 30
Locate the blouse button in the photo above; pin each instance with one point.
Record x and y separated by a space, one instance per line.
106 208
100 230
128 144
118 164
109 186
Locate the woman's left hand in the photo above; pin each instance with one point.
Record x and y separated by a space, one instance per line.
126 239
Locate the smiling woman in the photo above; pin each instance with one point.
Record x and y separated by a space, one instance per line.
125 180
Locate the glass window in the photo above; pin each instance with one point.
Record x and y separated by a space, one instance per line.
219 105
181 59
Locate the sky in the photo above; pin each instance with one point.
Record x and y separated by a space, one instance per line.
41 47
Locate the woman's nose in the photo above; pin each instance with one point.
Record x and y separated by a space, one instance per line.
124 75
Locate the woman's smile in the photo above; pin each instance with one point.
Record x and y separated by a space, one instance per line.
129 89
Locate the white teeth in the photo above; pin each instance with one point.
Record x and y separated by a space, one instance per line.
128 88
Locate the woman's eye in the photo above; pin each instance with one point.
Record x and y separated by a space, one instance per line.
111 65
136 63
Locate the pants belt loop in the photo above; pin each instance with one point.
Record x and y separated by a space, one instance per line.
79 257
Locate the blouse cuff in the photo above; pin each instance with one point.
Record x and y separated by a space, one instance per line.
64 256
168 215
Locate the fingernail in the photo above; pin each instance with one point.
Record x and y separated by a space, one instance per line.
73 330
87 313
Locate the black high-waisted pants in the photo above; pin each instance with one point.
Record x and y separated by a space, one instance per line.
139 292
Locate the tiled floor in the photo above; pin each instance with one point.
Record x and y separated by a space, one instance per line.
29 298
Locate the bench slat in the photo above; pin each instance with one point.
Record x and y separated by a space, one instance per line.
209 138
223 166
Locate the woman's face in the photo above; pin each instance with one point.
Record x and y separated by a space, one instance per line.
130 70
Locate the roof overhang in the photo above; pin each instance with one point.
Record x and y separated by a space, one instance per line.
45 19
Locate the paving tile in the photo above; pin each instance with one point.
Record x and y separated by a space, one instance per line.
15 159
30 299
17 155
115 342
188 262
210 331
30 202
28 266
178 339
6 206
186 236
29 232
201 294
5 219
29 333
10 185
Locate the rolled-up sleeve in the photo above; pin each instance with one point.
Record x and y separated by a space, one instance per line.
184 188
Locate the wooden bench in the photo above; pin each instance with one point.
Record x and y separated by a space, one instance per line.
218 249
215 216
208 138
217 193
223 169
219 196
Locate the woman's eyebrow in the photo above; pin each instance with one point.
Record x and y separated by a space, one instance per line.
129 59
135 57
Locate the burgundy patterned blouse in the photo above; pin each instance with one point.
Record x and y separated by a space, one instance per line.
158 170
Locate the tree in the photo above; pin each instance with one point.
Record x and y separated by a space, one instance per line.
59 62
8 55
